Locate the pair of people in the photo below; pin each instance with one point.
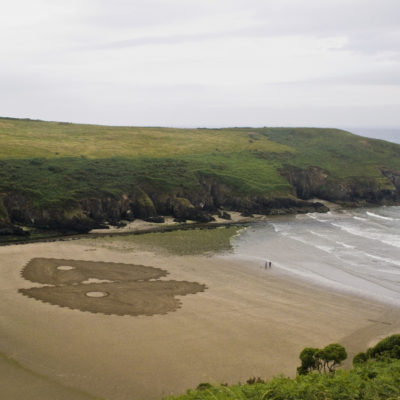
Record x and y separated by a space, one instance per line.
268 264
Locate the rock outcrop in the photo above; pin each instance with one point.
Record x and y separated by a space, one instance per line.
210 196
394 177
314 182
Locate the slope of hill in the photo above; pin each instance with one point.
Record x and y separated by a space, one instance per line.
72 177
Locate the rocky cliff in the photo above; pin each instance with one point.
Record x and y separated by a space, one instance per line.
314 182
148 204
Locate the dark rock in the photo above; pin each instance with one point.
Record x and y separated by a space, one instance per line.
6 231
181 220
75 224
106 208
142 205
157 219
182 208
316 182
202 217
394 177
18 231
101 226
128 215
12 230
225 215
319 207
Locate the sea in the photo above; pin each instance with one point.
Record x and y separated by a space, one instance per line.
389 134
350 250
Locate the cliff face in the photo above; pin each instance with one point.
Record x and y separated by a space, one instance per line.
394 177
315 182
6 224
148 203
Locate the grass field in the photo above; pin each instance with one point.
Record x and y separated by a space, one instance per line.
30 139
55 164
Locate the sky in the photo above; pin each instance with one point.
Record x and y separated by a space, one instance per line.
202 63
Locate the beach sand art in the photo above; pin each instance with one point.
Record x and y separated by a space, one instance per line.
105 287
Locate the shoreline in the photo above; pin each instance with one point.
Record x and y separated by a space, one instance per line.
328 256
138 227
150 228
147 357
313 282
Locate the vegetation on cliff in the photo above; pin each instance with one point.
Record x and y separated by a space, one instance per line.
72 177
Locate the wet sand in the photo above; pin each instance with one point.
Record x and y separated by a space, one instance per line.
248 322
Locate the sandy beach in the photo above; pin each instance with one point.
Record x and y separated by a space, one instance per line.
247 322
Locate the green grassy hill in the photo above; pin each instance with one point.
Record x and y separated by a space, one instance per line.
60 174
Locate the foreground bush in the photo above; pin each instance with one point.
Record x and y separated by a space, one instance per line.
371 380
386 348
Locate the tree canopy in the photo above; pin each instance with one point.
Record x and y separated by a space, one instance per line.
322 360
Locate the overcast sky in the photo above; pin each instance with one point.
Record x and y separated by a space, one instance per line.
202 62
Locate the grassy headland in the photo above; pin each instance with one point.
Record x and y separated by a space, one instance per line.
71 176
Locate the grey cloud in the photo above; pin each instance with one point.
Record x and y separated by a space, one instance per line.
383 77
372 42
138 13
280 17
370 26
49 83
157 40
329 16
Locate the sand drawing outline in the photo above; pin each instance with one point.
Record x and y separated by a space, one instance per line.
105 287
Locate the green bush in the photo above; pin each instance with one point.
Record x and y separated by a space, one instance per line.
388 347
372 379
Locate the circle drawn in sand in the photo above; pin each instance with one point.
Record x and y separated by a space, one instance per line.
124 289
96 294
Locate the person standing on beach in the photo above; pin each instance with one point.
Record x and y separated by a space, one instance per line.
268 264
